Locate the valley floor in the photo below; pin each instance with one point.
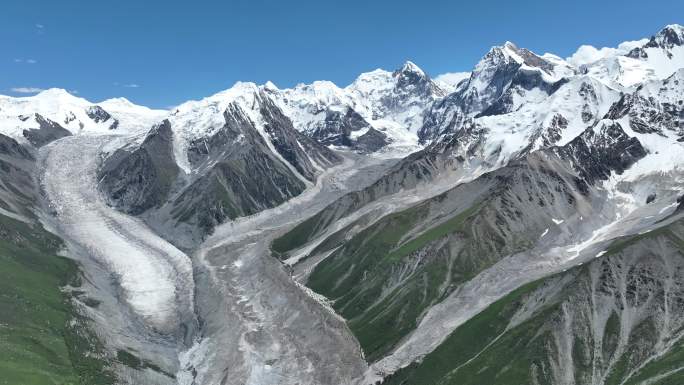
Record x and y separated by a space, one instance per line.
228 313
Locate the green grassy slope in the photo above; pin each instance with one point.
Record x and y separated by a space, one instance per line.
487 350
40 341
380 320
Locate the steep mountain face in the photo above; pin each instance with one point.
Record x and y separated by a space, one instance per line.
400 97
246 178
601 151
655 107
380 110
46 132
136 180
17 190
324 112
230 155
505 78
382 275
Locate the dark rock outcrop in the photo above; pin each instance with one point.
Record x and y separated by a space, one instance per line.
601 150
136 180
46 132
245 176
296 148
17 187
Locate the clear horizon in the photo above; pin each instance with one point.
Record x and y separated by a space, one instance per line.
160 54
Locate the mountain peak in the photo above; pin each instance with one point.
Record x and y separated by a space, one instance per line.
506 47
58 96
119 101
54 93
238 89
269 85
677 28
510 53
410 67
500 54
510 46
670 36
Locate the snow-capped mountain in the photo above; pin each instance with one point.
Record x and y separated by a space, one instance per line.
231 154
194 124
399 97
506 78
655 58
56 112
324 112
379 110
516 101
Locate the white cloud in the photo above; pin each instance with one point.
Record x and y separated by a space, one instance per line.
587 54
40 26
449 80
27 90
126 85
28 61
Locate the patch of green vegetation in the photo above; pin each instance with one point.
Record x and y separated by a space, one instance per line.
334 240
669 366
611 336
383 325
356 276
641 340
482 350
582 359
296 237
129 359
457 223
307 230
40 341
368 247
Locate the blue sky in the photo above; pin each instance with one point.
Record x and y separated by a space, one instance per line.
160 53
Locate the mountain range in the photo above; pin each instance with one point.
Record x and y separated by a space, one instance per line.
522 223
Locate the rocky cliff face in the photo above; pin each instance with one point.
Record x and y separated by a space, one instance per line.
136 180
244 178
245 157
17 188
501 80
46 132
